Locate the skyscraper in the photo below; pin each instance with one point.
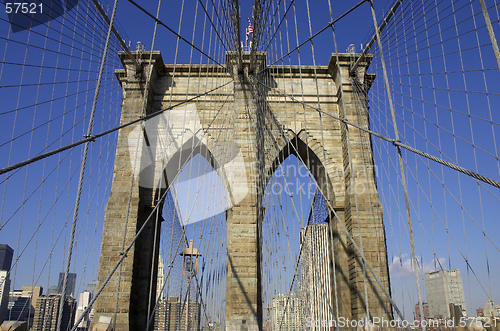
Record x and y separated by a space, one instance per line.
160 316
83 302
315 287
70 288
444 287
6 253
47 313
91 287
160 282
173 315
288 312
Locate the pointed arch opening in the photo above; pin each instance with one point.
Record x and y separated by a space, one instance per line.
194 210
297 239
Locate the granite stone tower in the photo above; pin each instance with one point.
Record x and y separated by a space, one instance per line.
258 112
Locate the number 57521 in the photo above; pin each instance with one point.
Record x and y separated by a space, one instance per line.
23 7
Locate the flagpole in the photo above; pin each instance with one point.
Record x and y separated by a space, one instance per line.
249 30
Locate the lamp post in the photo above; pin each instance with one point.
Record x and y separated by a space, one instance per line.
189 268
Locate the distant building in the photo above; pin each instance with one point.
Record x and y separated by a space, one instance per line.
91 287
168 315
287 312
71 282
490 309
444 287
161 323
83 302
4 294
315 274
19 307
215 326
160 281
22 304
47 313
6 254
425 308
479 312
160 319
52 290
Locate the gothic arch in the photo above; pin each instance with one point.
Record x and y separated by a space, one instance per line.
305 148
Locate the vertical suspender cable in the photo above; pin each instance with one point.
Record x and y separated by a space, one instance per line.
330 223
256 32
401 166
237 44
82 170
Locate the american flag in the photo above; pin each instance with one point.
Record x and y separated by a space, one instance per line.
249 28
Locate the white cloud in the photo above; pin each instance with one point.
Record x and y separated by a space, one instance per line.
402 266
